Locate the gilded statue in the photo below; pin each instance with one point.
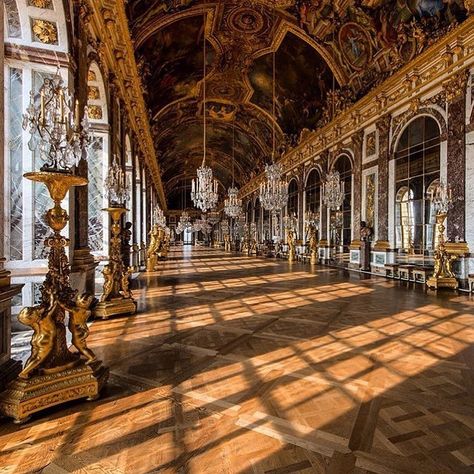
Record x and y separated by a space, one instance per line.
41 319
108 282
291 238
79 313
443 263
125 284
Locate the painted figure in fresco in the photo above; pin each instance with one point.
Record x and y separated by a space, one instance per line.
78 316
40 319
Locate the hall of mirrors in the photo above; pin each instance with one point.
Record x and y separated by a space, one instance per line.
237 236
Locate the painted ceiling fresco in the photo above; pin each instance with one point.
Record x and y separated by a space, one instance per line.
352 45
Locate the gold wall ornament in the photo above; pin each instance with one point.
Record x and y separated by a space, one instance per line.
48 4
116 297
44 31
443 276
53 374
469 6
95 112
93 93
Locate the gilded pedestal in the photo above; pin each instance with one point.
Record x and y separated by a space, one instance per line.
116 298
53 374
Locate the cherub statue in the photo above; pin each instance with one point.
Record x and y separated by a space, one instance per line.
125 284
108 282
40 319
78 316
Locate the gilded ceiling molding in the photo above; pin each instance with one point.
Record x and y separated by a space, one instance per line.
108 24
447 57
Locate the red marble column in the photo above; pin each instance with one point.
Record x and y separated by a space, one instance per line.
357 143
456 99
383 129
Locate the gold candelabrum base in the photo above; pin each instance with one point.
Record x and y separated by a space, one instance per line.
443 275
54 374
291 239
116 298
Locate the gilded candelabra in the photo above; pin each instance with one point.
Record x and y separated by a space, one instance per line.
116 296
53 374
443 276
313 244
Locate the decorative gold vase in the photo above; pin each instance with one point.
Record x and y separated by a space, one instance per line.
116 297
443 276
53 374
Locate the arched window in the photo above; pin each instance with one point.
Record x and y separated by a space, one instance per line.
129 177
344 166
249 213
98 160
292 206
313 191
138 201
258 220
417 169
38 28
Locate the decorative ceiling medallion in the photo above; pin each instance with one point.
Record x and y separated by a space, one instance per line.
247 21
355 45
44 31
41 4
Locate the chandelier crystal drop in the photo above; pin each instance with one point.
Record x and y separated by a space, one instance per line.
333 191
233 205
213 217
53 122
274 191
116 187
202 225
159 217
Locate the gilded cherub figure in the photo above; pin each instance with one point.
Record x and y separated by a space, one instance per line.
108 282
78 316
40 319
125 283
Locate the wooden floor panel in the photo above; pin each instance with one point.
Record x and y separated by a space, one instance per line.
242 365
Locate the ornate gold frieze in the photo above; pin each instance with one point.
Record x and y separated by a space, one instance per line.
44 31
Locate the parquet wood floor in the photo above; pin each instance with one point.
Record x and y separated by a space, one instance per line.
242 365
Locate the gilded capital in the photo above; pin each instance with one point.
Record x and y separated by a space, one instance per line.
455 87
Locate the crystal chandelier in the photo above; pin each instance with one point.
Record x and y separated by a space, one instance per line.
441 197
274 191
225 227
232 204
202 225
290 222
312 219
204 189
213 217
54 126
333 191
184 223
159 217
116 187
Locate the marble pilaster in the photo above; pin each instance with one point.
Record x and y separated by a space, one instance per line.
82 261
357 143
9 368
455 90
383 128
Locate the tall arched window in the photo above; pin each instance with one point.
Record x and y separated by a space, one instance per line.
25 201
249 213
313 191
129 177
98 160
292 206
344 165
258 220
417 168
138 202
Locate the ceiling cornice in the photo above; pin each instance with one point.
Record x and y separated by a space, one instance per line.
107 22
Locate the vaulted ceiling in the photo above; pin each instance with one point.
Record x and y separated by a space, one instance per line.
348 45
